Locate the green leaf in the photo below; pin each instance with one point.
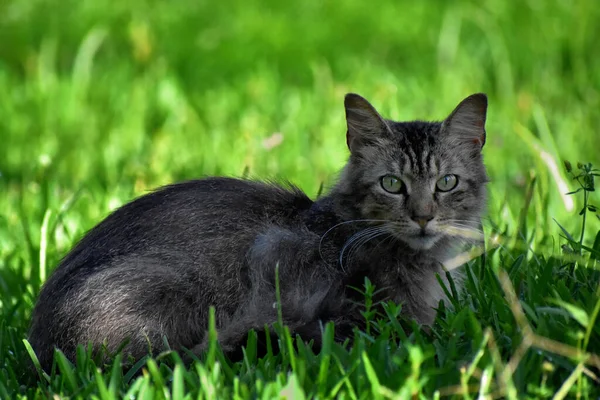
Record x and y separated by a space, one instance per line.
589 183
178 389
591 250
134 369
135 388
66 369
371 375
212 337
4 392
567 234
101 385
116 375
155 373
293 390
35 360
595 253
576 313
327 343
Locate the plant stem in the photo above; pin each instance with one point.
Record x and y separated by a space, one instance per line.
585 200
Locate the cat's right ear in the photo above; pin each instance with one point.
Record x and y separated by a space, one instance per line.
467 122
365 125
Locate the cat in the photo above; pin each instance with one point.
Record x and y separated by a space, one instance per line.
408 198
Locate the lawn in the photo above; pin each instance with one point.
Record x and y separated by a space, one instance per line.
102 101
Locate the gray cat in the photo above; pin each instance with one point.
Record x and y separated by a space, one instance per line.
409 196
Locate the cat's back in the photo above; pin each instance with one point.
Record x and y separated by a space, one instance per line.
188 218
183 244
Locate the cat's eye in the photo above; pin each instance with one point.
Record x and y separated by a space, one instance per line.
447 183
391 184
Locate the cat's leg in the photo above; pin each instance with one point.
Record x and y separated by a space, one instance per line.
309 291
303 312
260 316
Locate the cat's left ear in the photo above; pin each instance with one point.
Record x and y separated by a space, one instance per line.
365 125
467 122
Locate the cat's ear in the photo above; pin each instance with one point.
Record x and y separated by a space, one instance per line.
467 122
365 125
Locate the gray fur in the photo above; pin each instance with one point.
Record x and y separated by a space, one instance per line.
152 268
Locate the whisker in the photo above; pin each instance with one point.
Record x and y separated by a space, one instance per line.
375 235
354 238
461 230
352 221
344 223
358 243
389 236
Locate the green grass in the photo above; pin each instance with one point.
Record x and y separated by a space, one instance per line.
101 101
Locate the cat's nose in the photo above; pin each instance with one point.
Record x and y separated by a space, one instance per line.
422 220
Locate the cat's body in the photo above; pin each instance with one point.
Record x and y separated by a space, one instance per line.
154 267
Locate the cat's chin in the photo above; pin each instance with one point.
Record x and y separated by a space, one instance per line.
420 242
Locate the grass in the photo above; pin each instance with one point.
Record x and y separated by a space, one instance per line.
102 101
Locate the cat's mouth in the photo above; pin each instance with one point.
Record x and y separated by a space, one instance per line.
419 238
424 240
425 233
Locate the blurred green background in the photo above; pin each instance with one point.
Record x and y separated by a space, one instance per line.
101 101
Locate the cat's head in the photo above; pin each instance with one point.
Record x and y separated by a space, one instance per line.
425 179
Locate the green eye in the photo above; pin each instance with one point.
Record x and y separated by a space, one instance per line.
391 184
447 183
